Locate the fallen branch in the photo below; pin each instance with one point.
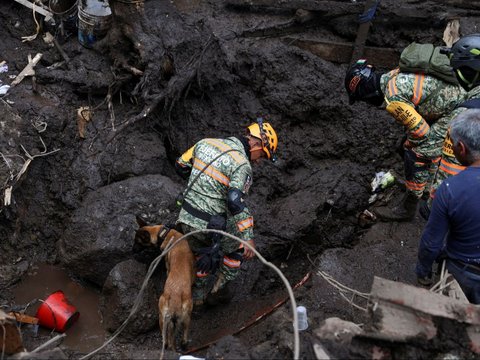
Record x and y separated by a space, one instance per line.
169 95
28 70
30 158
62 52
48 343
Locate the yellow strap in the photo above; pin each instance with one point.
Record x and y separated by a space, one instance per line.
405 114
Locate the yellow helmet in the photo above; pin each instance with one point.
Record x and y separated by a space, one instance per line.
264 131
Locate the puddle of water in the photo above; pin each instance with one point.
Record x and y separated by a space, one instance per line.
87 333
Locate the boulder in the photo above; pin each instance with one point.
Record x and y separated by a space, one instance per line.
118 297
101 231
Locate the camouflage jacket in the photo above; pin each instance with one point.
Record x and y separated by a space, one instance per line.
448 146
417 100
208 184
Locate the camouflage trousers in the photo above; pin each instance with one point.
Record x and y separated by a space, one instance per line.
422 157
229 266
419 172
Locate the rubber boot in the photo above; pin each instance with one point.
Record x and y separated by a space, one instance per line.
404 211
199 291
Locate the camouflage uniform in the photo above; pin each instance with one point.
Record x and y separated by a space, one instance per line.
449 165
421 104
208 193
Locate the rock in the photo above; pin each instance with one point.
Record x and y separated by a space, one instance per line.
10 274
228 347
101 232
338 330
119 294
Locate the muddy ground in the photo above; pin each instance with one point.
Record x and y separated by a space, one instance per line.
165 76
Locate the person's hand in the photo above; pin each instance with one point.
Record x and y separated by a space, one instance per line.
424 281
247 252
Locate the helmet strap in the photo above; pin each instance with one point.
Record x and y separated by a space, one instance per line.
469 84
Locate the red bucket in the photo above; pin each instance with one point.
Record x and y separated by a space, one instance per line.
57 313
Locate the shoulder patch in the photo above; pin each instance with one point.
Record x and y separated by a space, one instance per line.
248 183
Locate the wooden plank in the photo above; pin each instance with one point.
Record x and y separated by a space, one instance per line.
398 323
325 6
362 34
342 52
419 299
38 8
26 319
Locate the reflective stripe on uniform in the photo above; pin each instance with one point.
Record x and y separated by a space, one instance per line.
450 168
392 86
245 224
224 147
231 263
410 185
211 171
201 274
418 88
422 130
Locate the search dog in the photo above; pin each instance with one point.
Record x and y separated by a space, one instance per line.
175 304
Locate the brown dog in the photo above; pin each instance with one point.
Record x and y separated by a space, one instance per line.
175 304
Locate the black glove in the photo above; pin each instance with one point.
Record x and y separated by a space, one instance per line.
209 258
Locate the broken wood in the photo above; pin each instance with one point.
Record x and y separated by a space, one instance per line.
39 8
402 15
62 52
421 300
341 53
28 70
362 32
10 337
341 8
23 318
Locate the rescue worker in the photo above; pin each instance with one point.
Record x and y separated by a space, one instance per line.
465 61
219 176
453 227
420 104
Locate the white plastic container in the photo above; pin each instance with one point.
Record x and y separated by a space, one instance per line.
302 318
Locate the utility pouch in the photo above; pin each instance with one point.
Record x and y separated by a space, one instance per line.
217 222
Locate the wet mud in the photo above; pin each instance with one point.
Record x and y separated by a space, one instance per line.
167 74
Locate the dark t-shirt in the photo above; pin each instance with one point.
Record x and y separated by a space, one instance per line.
454 223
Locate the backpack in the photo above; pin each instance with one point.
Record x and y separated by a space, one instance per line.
427 59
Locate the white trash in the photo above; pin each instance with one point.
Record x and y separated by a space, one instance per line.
302 318
4 89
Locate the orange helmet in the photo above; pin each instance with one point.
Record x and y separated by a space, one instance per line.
264 131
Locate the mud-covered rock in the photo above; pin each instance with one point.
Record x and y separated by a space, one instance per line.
119 294
101 232
10 274
228 347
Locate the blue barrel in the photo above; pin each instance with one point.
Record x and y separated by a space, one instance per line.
94 21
